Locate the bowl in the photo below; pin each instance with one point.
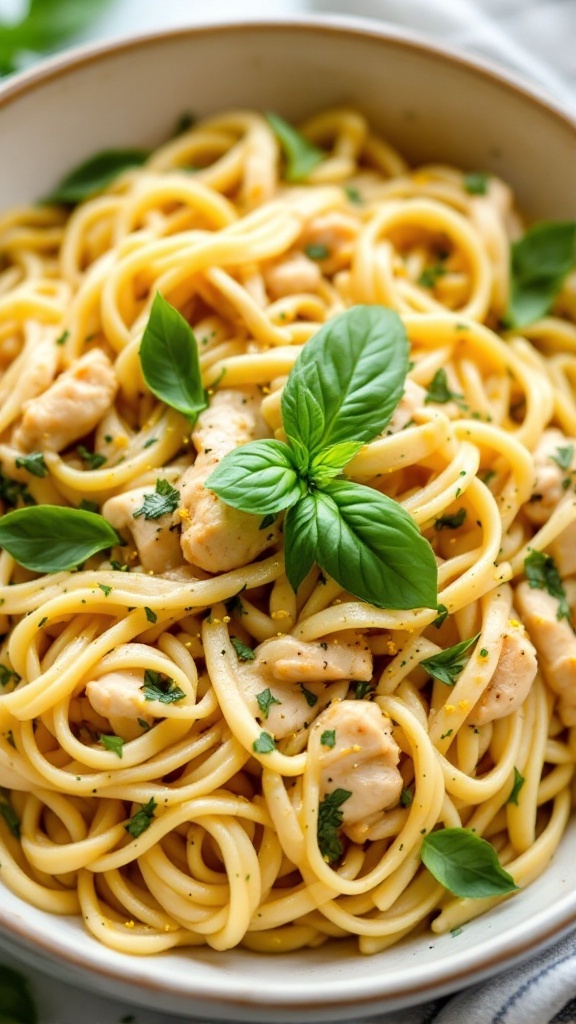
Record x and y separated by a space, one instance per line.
435 105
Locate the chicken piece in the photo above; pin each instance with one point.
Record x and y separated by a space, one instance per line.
362 761
287 709
549 486
563 551
292 660
70 408
157 540
118 696
413 399
514 674
555 644
215 536
295 274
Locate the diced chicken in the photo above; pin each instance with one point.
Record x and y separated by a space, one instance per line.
292 660
118 696
514 674
215 536
295 274
549 485
555 644
563 551
414 398
71 407
362 761
157 540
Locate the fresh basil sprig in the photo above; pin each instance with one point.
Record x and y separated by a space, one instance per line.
169 360
46 25
539 263
51 538
94 175
340 394
447 665
465 864
301 155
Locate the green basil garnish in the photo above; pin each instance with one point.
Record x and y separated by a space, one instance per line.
539 263
465 864
95 175
169 360
447 665
45 26
52 538
340 394
301 155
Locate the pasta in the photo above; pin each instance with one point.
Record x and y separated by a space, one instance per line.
191 751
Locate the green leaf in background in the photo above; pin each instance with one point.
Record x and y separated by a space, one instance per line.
302 156
52 538
465 864
539 263
169 360
46 25
94 175
16 1003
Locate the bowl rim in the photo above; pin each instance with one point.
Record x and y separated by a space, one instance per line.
74 57
548 925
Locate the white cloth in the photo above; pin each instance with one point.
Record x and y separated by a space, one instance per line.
537 38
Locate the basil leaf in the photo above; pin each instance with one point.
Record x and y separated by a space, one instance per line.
330 819
465 864
447 665
92 459
331 461
161 688
52 538
243 652
373 548
519 781
265 701
258 477
114 743
264 744
347 380
300 540
46 25
169 360
302 156
539 262
94 175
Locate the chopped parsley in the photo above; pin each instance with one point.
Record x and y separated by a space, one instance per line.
268 520
441 617
105 589
519 781
406 797
328 738
140 821
161 688
113 743
438 390
150 615
317 251
10 817
92 459
353 195
7 674
164 500
563 457
542 574
33 463
311 698
63 338
264 744
363 689
330 818
476 183
12 491
244 652
265 701
89 506
430 275
451 522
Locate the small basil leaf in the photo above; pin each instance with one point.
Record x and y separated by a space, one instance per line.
302 156
448 665
353 370
331 461
94 175
51 538
542 574
257 477
539 262
169 360
373 548
15 1000
300 540
465 864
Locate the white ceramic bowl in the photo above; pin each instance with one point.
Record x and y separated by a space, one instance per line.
434 105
